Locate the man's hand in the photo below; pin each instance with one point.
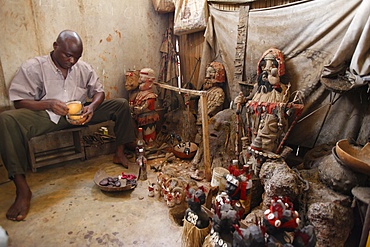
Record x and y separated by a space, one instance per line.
56 106
88 112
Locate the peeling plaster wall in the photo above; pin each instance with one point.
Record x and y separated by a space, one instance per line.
118 35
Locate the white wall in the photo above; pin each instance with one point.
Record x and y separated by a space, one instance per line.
117 35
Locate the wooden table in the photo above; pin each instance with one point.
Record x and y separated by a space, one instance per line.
56 147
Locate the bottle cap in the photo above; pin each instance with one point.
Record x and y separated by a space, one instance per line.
246 167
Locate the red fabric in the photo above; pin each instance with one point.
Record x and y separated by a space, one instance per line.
128 176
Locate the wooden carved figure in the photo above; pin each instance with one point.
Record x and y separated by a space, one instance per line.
143 106
266 111
132 84
215 77
196 221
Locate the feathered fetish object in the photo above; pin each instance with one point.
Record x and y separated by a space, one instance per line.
192 236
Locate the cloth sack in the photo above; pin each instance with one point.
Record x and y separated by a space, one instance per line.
190 16
164 6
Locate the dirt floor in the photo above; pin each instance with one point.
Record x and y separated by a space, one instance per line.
69 209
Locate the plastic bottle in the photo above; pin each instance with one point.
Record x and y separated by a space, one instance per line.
141 161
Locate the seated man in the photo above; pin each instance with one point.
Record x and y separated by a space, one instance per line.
39 91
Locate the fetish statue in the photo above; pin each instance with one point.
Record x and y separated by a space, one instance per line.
266 112
215 77
132 84
269 71
224 220
143 106
196 221
233 190
279 227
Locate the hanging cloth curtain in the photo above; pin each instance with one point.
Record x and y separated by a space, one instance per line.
352 59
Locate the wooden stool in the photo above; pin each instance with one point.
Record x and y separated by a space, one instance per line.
362 196
56 147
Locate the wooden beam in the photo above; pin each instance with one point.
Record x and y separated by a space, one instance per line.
180 90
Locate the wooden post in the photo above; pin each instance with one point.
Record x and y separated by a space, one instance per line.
206 155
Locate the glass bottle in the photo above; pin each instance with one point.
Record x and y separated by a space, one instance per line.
235 164
141 161
140 143
249 185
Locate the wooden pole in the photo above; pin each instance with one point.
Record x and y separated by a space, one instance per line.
206 155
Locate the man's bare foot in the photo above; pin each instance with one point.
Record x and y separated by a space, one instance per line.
19 209
122 160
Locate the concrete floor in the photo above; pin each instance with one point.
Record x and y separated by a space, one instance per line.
68 209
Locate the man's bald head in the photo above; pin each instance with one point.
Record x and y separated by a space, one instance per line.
70 37
67 49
